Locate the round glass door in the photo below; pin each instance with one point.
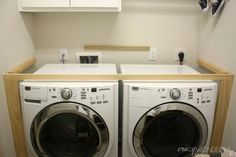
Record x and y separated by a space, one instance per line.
170 130
69 130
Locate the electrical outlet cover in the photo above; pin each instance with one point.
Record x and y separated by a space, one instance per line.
63 52
88 57
176 54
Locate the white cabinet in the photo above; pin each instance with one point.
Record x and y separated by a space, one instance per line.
45 3
114 5
69 5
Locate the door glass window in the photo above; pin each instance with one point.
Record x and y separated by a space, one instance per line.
164 134
69 130
69 135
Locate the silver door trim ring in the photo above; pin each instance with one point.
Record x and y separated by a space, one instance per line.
71 108
187 109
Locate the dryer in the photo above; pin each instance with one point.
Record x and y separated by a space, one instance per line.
71 118
166 118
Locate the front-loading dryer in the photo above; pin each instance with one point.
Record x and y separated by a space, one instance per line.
71 118
166 118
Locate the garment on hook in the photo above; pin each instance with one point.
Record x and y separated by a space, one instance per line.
217 5
204 4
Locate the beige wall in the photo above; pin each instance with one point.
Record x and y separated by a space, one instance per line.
217 44
166 25
16 45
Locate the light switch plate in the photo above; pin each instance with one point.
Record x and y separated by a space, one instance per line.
153 54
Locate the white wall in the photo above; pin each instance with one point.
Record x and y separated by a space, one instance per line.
166 25
16 45
217 44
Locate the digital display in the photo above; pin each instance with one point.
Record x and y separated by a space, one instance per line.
27 88
94 89
199 90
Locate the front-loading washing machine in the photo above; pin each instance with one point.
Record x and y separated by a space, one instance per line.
71 118
166 118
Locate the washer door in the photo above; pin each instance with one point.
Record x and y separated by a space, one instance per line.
69 130
170 130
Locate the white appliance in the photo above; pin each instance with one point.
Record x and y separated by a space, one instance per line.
71 118
166 118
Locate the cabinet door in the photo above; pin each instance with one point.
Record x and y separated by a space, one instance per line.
45 3
102 4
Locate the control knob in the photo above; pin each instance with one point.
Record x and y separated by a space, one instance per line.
66 93
175 94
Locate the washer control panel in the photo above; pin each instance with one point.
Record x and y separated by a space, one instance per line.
88 95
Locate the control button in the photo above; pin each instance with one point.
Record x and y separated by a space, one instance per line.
98 97
175 93
103 96
66 93
99 102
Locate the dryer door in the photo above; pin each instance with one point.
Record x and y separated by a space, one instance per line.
69 130
170 130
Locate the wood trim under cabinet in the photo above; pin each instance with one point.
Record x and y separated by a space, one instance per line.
116 48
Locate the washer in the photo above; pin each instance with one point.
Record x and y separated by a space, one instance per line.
71 118
166 118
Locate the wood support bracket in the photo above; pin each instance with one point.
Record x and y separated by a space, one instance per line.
22 67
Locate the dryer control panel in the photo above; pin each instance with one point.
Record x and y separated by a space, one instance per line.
198 94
